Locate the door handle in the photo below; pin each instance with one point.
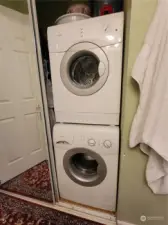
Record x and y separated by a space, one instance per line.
38 110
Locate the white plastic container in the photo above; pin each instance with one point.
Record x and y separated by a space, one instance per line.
79 8
71 17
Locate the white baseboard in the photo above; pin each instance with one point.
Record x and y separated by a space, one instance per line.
124 223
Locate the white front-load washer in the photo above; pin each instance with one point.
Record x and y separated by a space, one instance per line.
87 164
86 69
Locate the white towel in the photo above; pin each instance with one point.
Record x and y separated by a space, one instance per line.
150 124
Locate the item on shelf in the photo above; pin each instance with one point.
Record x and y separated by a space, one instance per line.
72 17
103 7
79 8
106 9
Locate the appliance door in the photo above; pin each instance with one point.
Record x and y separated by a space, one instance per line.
84 69
84 166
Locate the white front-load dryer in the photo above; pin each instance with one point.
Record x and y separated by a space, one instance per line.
87 164
86 69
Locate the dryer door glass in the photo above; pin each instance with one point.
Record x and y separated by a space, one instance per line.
84 167
84 69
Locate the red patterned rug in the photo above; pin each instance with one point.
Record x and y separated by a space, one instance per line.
34 183
14 211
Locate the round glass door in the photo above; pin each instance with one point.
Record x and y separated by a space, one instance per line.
84 167
84 69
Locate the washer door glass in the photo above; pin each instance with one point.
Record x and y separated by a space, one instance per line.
84 69
84 167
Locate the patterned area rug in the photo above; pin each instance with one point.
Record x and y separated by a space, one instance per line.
34 183
17 212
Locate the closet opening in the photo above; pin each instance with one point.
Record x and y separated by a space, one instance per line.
79 70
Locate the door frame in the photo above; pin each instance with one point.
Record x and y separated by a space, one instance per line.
53 176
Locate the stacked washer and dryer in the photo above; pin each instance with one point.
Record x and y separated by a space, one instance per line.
86 70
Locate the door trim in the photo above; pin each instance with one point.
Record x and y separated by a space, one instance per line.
124 223
50 152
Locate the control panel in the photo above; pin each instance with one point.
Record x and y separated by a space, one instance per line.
105 143
102 31
102 139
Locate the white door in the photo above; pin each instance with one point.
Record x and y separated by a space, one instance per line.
22 139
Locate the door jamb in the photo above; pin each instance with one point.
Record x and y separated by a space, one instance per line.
53 176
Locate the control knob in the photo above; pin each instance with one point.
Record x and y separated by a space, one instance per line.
107 144
91 142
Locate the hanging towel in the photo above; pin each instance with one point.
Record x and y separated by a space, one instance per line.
150 124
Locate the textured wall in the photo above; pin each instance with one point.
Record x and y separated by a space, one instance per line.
135 198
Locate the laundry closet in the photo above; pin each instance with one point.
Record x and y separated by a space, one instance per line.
82 62
78 55
70 163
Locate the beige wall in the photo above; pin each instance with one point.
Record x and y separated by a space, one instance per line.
18 5
135 198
